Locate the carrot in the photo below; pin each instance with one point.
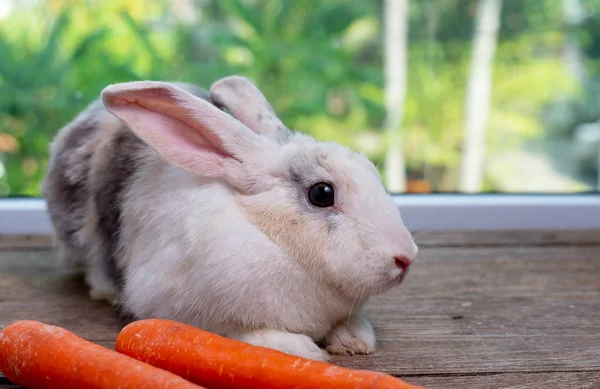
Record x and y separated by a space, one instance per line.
39 356
218 363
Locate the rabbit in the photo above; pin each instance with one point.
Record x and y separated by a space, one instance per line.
228 221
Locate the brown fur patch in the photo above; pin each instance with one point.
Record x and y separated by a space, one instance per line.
66 184
113 169
297 235
92 161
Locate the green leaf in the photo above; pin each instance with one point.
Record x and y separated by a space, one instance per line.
51 51
247 14
144 37
8 62
86 44
285 6
225 38
331 19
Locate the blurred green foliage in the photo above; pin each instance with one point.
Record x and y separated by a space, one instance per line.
318 62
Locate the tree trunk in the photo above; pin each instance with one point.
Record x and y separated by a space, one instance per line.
396 37
479 90
186 11
573 15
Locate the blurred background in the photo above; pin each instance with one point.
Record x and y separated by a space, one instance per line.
467 96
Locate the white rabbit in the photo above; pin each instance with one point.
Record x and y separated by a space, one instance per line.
231 223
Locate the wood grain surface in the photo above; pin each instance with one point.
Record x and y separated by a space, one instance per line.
478 310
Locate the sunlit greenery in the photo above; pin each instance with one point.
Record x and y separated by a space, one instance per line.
319 62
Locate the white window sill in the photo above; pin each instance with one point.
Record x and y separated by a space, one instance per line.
420 212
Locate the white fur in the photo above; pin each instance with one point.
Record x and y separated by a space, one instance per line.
226 242
192 255
195 258
355 336
287 342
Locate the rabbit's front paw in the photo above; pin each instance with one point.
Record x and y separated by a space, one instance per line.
294 344
101 288
355 337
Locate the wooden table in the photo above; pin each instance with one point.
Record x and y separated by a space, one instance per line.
479 309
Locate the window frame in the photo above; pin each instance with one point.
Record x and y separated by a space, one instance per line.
421 212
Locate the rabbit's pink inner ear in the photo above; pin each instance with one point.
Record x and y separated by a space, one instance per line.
247 103
179 127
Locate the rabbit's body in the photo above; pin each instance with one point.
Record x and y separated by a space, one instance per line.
92 161
243 280
222 239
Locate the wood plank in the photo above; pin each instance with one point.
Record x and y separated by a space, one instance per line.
582 237
507 238
488 310
89 319
35 275
578 380
513 313
29 242
510 271
476 354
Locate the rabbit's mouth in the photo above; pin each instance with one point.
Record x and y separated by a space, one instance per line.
400 277
389 281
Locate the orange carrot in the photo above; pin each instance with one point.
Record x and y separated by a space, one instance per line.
39 356
218 363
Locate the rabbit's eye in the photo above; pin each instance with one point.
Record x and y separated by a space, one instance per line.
321 195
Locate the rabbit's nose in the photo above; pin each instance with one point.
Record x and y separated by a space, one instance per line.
403 262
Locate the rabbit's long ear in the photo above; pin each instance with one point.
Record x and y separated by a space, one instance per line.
183 129
248 104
